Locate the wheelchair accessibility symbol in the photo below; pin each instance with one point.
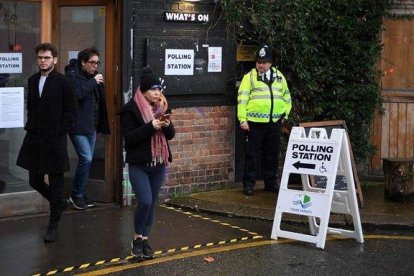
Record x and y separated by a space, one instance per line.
322 168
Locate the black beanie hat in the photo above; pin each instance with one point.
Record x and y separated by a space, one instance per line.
149 80
264 54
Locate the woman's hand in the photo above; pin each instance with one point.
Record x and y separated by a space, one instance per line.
157 124
165 123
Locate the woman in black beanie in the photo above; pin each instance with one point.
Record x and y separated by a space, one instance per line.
146 127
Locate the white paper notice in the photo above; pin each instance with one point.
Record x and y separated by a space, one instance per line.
11 107
179 62
214 59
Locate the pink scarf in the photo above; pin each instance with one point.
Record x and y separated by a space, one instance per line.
159 148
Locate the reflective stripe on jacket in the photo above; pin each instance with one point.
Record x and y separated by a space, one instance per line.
257 100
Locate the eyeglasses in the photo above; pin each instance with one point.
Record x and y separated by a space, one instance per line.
94 63
43 58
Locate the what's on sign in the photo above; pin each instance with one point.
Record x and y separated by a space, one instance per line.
186 17
308 157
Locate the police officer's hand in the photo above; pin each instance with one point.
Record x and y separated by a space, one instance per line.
245 126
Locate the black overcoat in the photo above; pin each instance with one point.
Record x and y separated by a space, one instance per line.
49 118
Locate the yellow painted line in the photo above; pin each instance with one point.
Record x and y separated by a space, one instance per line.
100 262
252 233
215 220
129 258
225 224
210 244
183 256
209 250
235 227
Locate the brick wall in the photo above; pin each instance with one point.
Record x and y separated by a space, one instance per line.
203 149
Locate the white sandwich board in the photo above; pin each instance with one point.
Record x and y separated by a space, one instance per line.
317 155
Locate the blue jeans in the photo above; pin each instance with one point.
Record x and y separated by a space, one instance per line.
146 183
84 146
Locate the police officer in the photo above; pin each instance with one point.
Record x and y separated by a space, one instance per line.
263 104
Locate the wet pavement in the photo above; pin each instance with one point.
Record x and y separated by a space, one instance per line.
101 237
103 234
378 212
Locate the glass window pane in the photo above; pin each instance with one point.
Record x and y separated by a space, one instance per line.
83 27
19 33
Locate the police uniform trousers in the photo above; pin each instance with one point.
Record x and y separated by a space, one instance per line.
263 137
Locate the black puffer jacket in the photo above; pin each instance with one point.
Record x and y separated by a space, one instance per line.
85 87
137 135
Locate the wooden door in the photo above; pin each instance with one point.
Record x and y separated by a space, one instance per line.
76 25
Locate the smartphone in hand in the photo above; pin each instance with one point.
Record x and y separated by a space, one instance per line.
165 117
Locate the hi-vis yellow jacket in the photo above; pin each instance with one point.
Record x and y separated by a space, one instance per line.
258 101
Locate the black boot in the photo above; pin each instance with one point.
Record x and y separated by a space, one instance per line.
51 234
147 250
137 249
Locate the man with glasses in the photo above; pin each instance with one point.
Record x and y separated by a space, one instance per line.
51 111
92 118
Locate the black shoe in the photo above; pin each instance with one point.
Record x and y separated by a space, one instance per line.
137 249
51 234
78 202
89 202
147 250
248 191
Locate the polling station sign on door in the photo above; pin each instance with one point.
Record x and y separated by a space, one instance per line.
314 158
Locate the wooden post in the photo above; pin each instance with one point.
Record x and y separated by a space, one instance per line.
399 179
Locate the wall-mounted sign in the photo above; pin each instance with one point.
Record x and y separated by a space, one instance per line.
179 62
11 63
186 17
246 52
214 59
12 107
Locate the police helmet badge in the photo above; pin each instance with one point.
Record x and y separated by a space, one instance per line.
262 52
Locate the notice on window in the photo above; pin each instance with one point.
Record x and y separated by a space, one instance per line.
11 107
179 62
11 63
214 59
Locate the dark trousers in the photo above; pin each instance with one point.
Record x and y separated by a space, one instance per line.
52 192
264 137
146 183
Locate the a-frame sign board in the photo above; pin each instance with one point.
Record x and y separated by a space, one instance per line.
317 155
329 125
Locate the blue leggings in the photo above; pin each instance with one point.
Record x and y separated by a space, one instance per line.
146 183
